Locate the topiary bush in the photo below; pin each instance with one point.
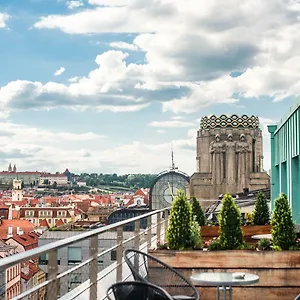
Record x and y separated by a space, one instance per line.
261 214
198 212
230 232
283 228
179 235
197 241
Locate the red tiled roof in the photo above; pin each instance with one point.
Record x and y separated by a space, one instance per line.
15 214
59 223
28 270
27 240
52 175
44 223
24 225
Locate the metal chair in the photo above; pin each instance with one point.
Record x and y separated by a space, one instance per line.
136 290
146 268
297 297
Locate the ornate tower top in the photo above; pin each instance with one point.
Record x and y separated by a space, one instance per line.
9 168
14 168
232 121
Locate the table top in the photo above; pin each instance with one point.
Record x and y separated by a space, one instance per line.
262 236
223 278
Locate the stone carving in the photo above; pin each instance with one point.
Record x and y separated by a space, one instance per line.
243 160
230 160
217 150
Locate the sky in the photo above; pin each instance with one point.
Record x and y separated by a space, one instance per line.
111 86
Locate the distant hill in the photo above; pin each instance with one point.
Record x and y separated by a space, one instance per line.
114 181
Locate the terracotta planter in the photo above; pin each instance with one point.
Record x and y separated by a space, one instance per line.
209 232
278 271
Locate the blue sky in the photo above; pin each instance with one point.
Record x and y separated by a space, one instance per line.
135 76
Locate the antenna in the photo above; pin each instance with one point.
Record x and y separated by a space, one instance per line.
173 167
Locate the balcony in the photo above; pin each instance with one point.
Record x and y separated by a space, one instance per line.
88 275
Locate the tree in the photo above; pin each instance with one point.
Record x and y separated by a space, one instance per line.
230 232
198 212
54 185
283 228
261 214
179 235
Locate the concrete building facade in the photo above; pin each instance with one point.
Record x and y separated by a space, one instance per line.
285 160
229 157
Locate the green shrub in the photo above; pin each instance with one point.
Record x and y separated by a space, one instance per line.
198 212
179 236
261 214
276 248
196 235
215 245
283 228
264 244
246 246
249 218
230 232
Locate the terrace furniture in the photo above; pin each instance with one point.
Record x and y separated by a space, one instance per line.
135 290
297 297
224 281
146 268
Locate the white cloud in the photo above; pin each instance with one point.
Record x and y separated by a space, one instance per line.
177 118
170 124
3 18
74 79
53 151
74 4
161 131
190 51
123 45
109 2
59 71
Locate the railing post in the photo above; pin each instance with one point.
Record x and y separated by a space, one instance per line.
137 235
119 253
149 234
158 228
52 288
166 223
93 267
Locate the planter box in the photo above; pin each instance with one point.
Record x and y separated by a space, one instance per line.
278 271
209 232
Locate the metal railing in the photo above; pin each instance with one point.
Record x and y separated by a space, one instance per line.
57 283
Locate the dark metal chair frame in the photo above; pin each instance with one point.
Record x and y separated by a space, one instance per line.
129 253
147 291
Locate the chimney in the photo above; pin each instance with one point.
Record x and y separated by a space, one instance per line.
10 232
19 231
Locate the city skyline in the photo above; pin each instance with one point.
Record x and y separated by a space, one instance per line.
107 86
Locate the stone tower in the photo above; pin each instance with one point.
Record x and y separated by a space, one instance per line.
17 192
229 157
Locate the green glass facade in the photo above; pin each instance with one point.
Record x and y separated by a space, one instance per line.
285 156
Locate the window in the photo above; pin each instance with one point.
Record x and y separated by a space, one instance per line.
113 255
43 259
74 255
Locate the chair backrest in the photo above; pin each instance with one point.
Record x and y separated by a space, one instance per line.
297 297
147 268
136 290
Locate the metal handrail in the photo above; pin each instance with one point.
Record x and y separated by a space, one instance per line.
27 255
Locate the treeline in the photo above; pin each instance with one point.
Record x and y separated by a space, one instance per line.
130 181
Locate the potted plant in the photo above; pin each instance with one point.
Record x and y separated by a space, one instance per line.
283 227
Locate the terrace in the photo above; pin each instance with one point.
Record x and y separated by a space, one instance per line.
90 278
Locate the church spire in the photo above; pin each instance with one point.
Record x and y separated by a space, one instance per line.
9 168
15 168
